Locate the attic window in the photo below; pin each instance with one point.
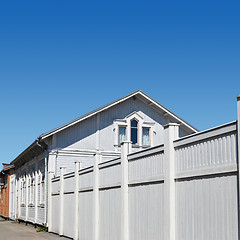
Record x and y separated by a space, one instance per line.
133 128
146 136
121 134
134 131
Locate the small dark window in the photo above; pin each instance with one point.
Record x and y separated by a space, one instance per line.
134 131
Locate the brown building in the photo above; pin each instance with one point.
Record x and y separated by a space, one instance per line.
5 174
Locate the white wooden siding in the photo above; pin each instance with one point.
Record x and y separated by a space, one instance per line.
86 215
206 209
56 185
84 135
146 217
110 174
68 161
69 213
55 215
219 151
86 180
110 214
69 183
147 165
205 201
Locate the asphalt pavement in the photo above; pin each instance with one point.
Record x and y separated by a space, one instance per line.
10 230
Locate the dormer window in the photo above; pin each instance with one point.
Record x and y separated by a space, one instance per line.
133 128
134 131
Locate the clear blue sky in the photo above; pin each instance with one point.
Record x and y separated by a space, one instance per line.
62 59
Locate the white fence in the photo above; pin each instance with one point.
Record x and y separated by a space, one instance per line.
207 185
185 189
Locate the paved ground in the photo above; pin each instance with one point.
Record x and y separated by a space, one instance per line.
15 231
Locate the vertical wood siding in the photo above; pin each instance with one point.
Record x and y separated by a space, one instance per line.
86 180
218 151
56 186
146 212
110 214
206 209
55 215
69 213
86 215
205 202
69 162
149 166
110 175
83 134
69 182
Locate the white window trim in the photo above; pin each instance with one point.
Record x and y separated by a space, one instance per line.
126 122
116 125
118 133
138 133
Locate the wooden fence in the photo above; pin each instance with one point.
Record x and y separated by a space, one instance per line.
185 189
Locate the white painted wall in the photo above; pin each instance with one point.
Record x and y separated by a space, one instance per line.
85 135
31 211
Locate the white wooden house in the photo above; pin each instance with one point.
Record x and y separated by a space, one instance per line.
136 118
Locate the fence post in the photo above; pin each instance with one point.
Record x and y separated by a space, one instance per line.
96 194
238 128
50 176
61 210
76 178
238 160
125 150
171 132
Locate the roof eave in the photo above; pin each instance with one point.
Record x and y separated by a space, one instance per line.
34 149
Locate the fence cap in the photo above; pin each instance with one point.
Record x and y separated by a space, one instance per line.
238 97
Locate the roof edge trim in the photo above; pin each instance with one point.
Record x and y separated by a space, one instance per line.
98 110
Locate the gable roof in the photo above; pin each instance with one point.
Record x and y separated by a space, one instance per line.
137 93
38 146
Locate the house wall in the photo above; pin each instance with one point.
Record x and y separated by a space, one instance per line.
30 199
97 132
5 192
4 197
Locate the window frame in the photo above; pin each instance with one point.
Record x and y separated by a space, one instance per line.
149 135
126 122
137 128
122 126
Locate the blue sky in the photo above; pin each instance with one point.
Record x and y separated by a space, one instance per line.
62 59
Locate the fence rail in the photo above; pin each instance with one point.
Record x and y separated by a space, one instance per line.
185 189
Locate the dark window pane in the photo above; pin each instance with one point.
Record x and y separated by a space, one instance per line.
134 123
134 132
